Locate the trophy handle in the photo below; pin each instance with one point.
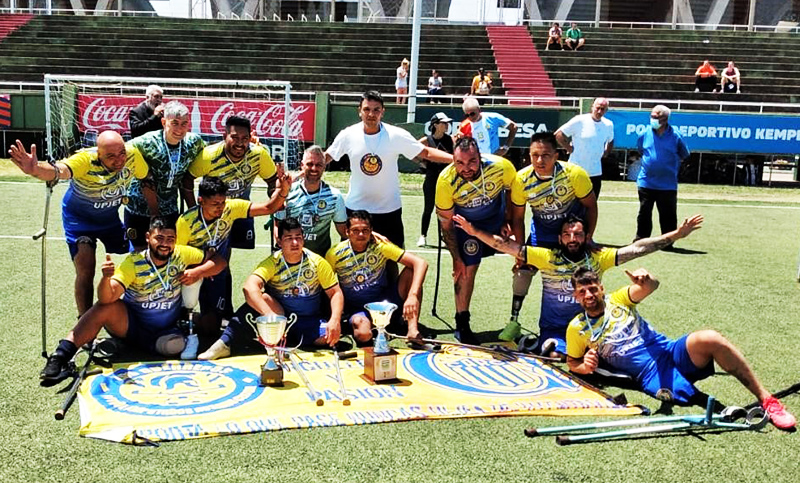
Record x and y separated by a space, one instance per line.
292 320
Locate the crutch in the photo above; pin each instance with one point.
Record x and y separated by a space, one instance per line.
345 399
42 234
295 360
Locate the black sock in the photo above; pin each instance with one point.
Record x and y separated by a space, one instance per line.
65 349
462 319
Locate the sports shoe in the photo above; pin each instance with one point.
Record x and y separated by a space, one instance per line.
218 350
511 332
56 369
190 351
548 346
465 335
422 241
665 395
778 414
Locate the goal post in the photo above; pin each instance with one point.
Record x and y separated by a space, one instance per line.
78 108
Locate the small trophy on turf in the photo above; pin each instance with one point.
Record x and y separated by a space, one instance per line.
380 361
271 331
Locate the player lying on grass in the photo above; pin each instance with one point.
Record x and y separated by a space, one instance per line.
611 331
557 266
139 301
360 263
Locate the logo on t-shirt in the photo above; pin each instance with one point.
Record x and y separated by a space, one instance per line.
561 190
470 247
371 164
322 204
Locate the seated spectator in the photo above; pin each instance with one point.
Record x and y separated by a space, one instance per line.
705 78
554 35
574 38
481 84
731 80
435 84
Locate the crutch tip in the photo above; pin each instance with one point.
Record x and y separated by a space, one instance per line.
563 440
346 402
320 402
531 432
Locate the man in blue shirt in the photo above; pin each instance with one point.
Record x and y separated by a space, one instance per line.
662 150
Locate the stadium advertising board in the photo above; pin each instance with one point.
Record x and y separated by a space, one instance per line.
208 116
712 132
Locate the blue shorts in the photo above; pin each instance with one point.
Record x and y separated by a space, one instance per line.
142 335
674 370
470 249
216 294
113 239
243 234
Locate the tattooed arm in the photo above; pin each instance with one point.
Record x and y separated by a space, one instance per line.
649 245
505 245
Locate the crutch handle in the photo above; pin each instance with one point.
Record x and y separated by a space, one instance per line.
39 233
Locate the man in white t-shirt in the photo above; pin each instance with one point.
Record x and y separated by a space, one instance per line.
589 138
373 148
484 128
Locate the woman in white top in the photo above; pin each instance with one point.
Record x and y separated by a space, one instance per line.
401 84
731 80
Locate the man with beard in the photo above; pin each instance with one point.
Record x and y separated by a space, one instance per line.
557 266
139 301
168 152
475 186
315 203
610 330
360 264
99 182
237 162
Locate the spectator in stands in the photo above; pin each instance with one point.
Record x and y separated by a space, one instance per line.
662 149
554 35
484 128
574 40
435 84
731 80
401 83
147 115
373 148
588 138
705 78
481 84
439 139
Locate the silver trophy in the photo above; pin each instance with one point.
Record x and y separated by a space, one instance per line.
381 314
271 330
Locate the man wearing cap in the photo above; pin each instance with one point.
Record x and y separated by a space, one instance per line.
438 138
484 127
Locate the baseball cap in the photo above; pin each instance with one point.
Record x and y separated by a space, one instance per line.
440 117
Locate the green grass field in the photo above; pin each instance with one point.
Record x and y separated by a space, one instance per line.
740 280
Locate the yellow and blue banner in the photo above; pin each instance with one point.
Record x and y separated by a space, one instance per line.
174 400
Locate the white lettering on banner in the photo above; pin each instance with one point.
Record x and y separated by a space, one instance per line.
97 115
528 129
266 123
709 132
778 134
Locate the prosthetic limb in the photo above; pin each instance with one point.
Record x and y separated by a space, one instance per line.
521 282
190 295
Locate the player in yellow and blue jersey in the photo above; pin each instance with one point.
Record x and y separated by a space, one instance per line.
140 300
99 181
208 226
554 190
557 265
474 186
360 263
168 152
611 331
292 280
238 162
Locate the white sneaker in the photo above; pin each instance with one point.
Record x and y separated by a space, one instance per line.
422 241
190 351
218 350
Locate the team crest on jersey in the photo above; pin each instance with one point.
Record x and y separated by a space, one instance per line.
480 374
371 164
490 186
308 274
616 312
125 173
112 192
322 204
245 168
566 285
169 388
561 190
372 259
471 247
162 294
173 271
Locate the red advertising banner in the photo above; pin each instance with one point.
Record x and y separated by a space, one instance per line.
5 111
208 116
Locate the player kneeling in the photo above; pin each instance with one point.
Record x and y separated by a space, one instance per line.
363 264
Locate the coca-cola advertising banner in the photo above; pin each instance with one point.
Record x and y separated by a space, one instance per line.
208 116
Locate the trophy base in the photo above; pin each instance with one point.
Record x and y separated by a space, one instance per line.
380 368
271 376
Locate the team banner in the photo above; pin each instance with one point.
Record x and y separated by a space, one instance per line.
175 400
711 132
208 116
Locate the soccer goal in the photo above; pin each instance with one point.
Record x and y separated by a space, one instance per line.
78 108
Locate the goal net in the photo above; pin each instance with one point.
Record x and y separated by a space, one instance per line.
78 108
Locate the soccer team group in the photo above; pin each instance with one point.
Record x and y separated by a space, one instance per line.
176 261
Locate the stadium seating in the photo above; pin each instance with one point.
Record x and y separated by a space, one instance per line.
313 56
660 63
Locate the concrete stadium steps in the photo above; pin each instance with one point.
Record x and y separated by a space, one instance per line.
660 63
313 56
519 65
11 22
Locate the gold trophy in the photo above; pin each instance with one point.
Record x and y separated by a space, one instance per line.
271 331
380 361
